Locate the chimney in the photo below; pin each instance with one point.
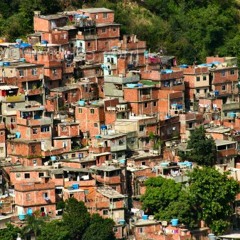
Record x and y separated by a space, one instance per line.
37 13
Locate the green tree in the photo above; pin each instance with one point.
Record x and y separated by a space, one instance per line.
99 229
76 218
54 230
212 195
201 149
34 224
160 192
181 209
10 232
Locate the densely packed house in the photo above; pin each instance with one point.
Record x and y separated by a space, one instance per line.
80 105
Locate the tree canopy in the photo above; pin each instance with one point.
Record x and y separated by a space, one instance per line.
200 148
76 223
209 196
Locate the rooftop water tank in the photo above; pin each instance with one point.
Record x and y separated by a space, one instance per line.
81 103
145 217
6 64
53 158
75 186
22 217
174 222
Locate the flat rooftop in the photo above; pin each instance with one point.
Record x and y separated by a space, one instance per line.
96 10
219 142
109 192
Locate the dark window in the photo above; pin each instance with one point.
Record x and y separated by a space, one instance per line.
27 175
40 174
92 111
105 212
198 79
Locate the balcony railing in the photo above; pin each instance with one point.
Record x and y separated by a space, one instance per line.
11 99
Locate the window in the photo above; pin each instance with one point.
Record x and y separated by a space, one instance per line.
223 73
64 128
198 90
141 128
18 175
13 119
232 71
92 111
35 130
21 72
54 71
34 71
45 129
223 87
45 195
41 174
65 144
2 132
154 104
114 29
145 105
105 211
28 197
204 78
140 230
103 30
95 125
205 90
143 163
115 229
27 175
105 15
198 79
80 110
33 149
89 44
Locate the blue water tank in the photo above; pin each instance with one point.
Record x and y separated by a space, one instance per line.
18 134
121 221
75 186
29 212
139 84
53 158
22 217
211 236
6 64
174 222
164 164
19 40
1 64
81 103
22 59
44 42
216 93
145 217
122 161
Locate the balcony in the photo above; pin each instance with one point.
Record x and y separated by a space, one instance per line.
121 79
52 152
34 122
36 91
108 180
13 99
226 153
231 106
116 148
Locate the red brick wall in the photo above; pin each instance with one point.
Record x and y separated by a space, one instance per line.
56 37
40 24
87 119
100 16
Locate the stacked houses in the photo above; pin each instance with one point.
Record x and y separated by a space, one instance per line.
80 108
